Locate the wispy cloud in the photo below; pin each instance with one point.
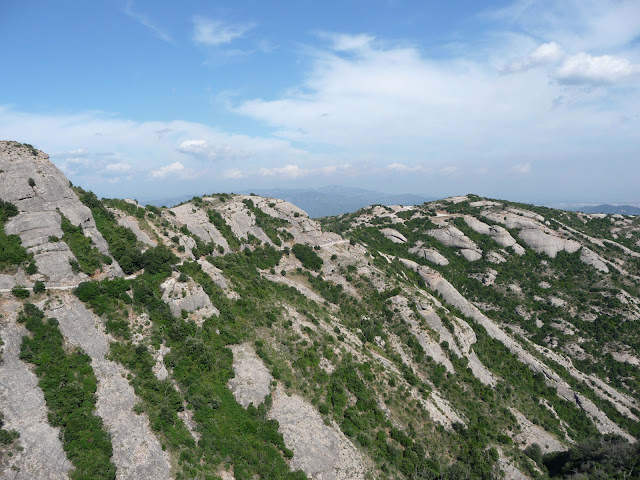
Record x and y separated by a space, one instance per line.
119 167
203 149
401 167
545 54
583 69
288 172
207 31
143 20
163 172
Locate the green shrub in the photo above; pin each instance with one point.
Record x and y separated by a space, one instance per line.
69 385
307 256
20 292
38 287
11 250
88 257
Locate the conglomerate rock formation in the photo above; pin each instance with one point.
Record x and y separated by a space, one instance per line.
232 336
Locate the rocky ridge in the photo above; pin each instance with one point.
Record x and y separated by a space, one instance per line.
388 345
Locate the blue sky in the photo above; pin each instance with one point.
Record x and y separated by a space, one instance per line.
528 100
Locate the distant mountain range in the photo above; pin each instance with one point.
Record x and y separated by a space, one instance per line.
323 201
335 199
606 208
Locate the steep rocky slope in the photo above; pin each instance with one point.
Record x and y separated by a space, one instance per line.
232 336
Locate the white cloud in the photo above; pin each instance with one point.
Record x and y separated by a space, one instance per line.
118 167
202 149
233 174
578 25
216 32
144 21
288 171
83 146
163 172
401 167
586 69
545 54
345 42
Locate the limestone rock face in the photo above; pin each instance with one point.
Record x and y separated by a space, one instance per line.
303 228
187 296
216 275
393 235
531 434
498 233
495 257
436 282
137 453
592 258
454 238
241 220
512 220
487 278
322 451
38 220
197 221
429 254
23 405
252 381
535 234
132 224
543 242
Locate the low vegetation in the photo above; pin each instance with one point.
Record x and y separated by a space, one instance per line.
69 385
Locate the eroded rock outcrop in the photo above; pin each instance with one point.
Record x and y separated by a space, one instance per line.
429 254
531 434
543 242
137 453
23 405
132 224
393 235
451 236
498 233
189 296
35 185
322 451
197 222
435 281
252 380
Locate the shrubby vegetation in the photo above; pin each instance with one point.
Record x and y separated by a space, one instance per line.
201 364
88 257
11 250
307 256
7 437
123 244
20 292
267 223
69 385
216 219
608 457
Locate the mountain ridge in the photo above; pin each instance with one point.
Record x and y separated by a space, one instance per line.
463 337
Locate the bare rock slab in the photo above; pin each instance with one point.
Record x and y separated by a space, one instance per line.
23 405
252 381
137 453
322 452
